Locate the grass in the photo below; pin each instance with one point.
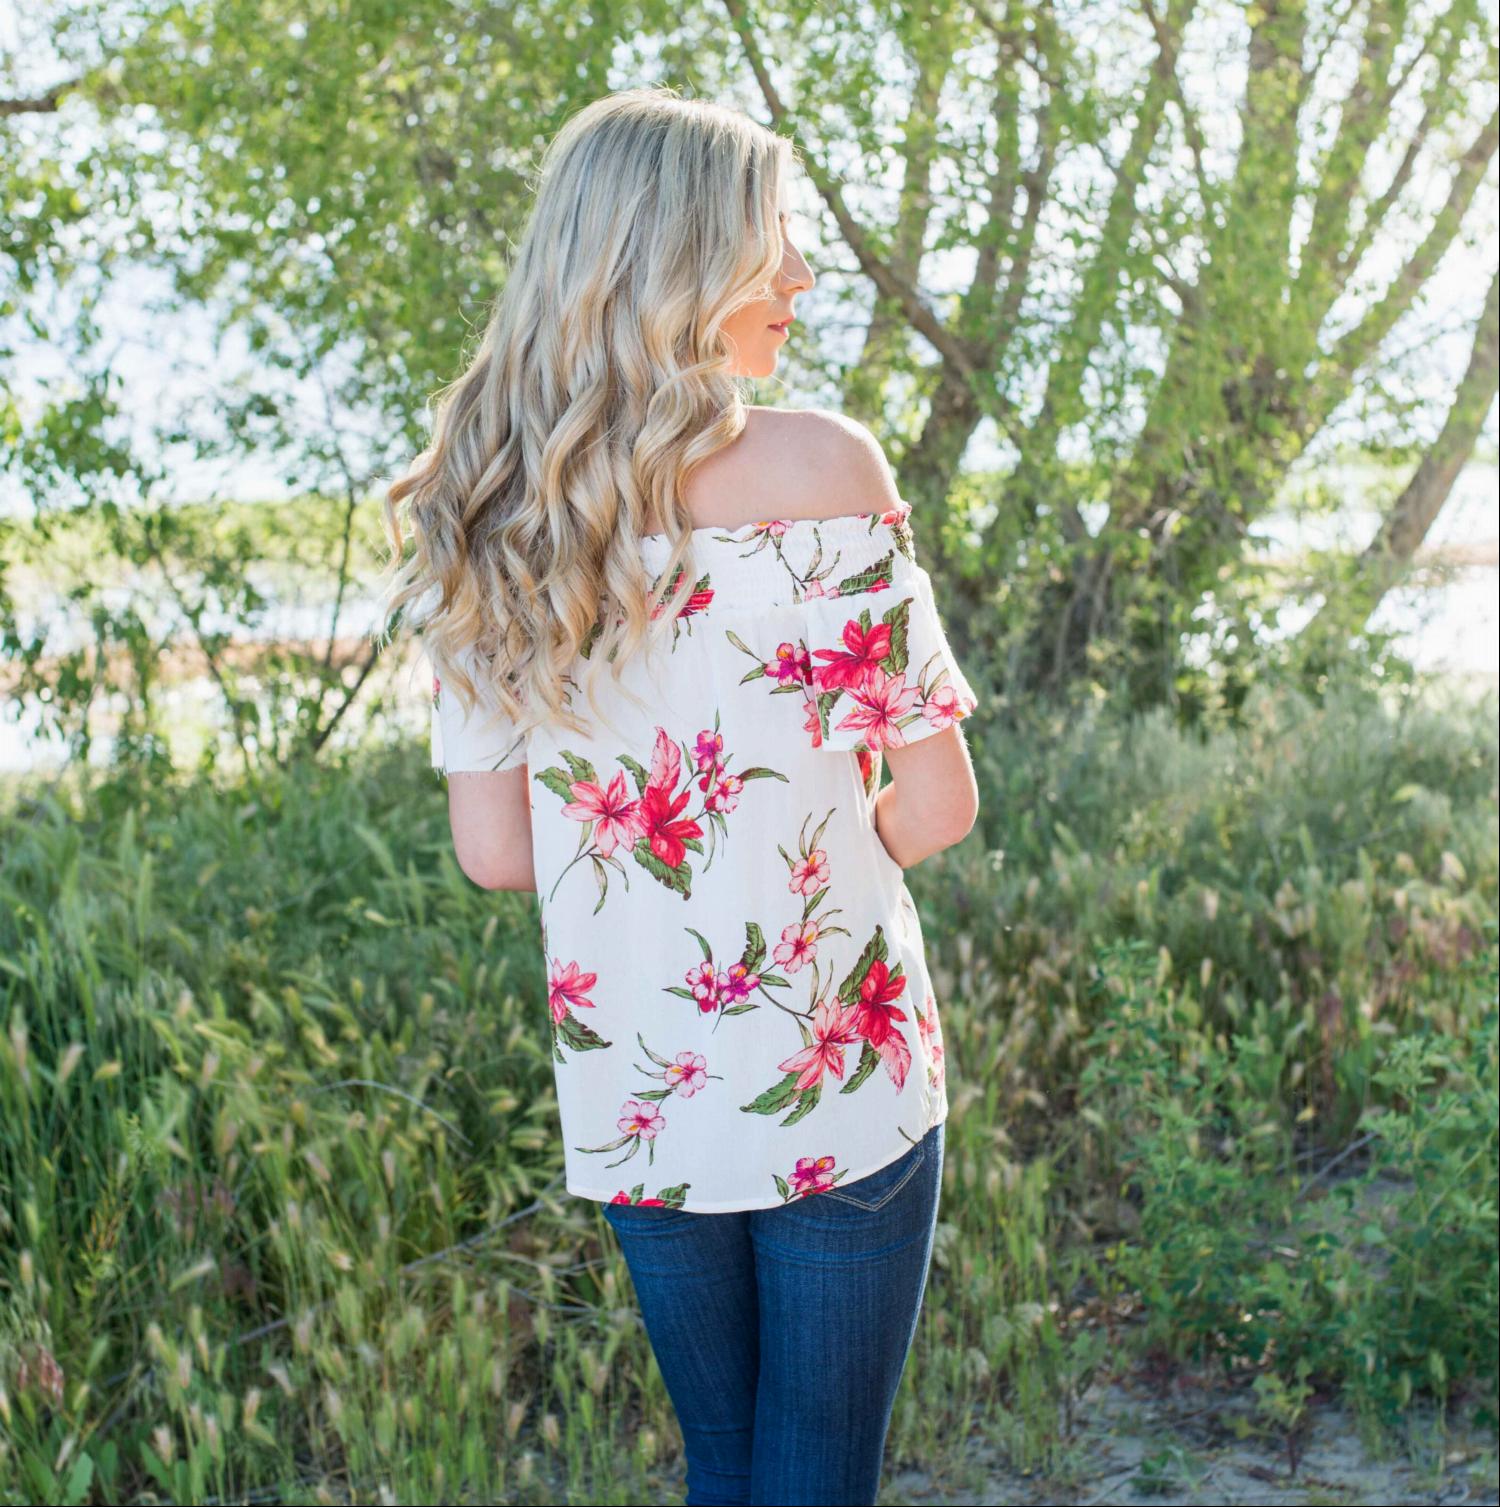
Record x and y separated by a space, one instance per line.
280 1207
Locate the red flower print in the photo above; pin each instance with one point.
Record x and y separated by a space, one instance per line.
704 983
791 665
813 1175
664 830
865 651
622 1197
810 873
875 1010
619 819
798 946
640 1118
882 699
437 688
697 601
687 1075
866 766
833 1029
567 986
876 1016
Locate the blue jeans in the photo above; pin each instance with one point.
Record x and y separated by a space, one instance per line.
781 1333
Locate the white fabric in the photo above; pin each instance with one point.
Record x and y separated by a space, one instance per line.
738 997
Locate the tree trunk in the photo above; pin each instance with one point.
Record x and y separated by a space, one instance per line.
1386 558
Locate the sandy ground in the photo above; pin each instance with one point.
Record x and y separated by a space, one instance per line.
1200 1444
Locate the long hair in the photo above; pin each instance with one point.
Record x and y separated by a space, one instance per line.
601 380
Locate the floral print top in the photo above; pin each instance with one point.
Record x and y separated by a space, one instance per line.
737 996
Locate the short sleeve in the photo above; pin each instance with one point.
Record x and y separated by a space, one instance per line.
883 674
483 739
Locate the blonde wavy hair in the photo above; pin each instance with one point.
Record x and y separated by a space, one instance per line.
601 380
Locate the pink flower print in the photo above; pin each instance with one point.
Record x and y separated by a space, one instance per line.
666 763
437 688
815 589
568 986
725 796
735 984
848 668
687 1075
813 1175
833 1029
775 527
618 819
932 1038
698 599
798 946
709 750
942 707
640 1118
705 986
810 873
882 700
791 665
894 516
814 725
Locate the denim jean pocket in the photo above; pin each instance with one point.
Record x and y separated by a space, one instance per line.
879 1187
640 1216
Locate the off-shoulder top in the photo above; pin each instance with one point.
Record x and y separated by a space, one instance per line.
738 997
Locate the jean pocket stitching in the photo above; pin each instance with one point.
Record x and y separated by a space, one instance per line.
848 1197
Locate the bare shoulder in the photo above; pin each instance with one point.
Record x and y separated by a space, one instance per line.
826 463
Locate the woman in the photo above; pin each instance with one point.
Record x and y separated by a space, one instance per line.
675 639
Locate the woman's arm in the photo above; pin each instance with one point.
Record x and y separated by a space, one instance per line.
490 815
932 799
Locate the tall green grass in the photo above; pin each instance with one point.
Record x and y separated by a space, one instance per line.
280 1206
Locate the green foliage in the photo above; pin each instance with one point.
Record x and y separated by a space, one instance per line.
274 1077
1384 1283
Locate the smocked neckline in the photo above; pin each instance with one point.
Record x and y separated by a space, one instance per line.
902 511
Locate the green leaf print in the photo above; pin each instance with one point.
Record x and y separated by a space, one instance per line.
675 1196
659 1061
582 769
874 951
781 1186
708 952
755 948
757 772
871 578
580 1037
679 879
898 619
774 1099
637 771
867 1060
557 781
808 1101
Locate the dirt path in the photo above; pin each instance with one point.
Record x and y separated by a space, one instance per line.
1203 1444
